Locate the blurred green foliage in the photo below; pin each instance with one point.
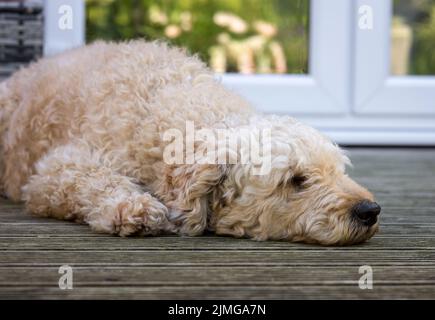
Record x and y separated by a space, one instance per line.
419 15
192 24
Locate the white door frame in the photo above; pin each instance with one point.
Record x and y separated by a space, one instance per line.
348 93
376 91
325 90
64 25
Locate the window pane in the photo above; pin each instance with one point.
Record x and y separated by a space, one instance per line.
413 37
246 36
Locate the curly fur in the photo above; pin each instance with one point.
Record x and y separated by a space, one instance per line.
81 139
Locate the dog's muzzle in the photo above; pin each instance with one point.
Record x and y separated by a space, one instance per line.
366 212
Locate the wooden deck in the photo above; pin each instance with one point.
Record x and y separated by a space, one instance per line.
402 255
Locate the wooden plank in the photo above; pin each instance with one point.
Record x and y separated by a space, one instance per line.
389 214
247 292
202 243
71 229
215 276
246 257
383 156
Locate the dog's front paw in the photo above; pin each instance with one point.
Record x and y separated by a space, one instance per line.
138 214
142 214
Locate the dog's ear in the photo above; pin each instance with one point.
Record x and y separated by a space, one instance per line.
186 190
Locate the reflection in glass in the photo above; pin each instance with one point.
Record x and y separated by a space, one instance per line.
413 37
242 36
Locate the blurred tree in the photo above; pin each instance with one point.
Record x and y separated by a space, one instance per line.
419 15
192 24
423 61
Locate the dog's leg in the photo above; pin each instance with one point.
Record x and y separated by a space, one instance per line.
75 183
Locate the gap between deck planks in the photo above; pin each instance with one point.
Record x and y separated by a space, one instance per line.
402 255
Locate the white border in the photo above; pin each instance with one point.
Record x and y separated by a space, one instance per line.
376 91
57 40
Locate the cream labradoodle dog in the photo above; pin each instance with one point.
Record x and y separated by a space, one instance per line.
82 139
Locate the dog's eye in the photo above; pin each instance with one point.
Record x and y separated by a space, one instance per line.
298 181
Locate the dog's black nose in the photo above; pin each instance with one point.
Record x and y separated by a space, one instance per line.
366 212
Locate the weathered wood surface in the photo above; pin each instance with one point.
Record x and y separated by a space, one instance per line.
402 255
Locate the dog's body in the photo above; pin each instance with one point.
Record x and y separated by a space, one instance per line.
82 139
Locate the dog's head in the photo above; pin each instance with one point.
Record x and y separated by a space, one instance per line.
305 195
